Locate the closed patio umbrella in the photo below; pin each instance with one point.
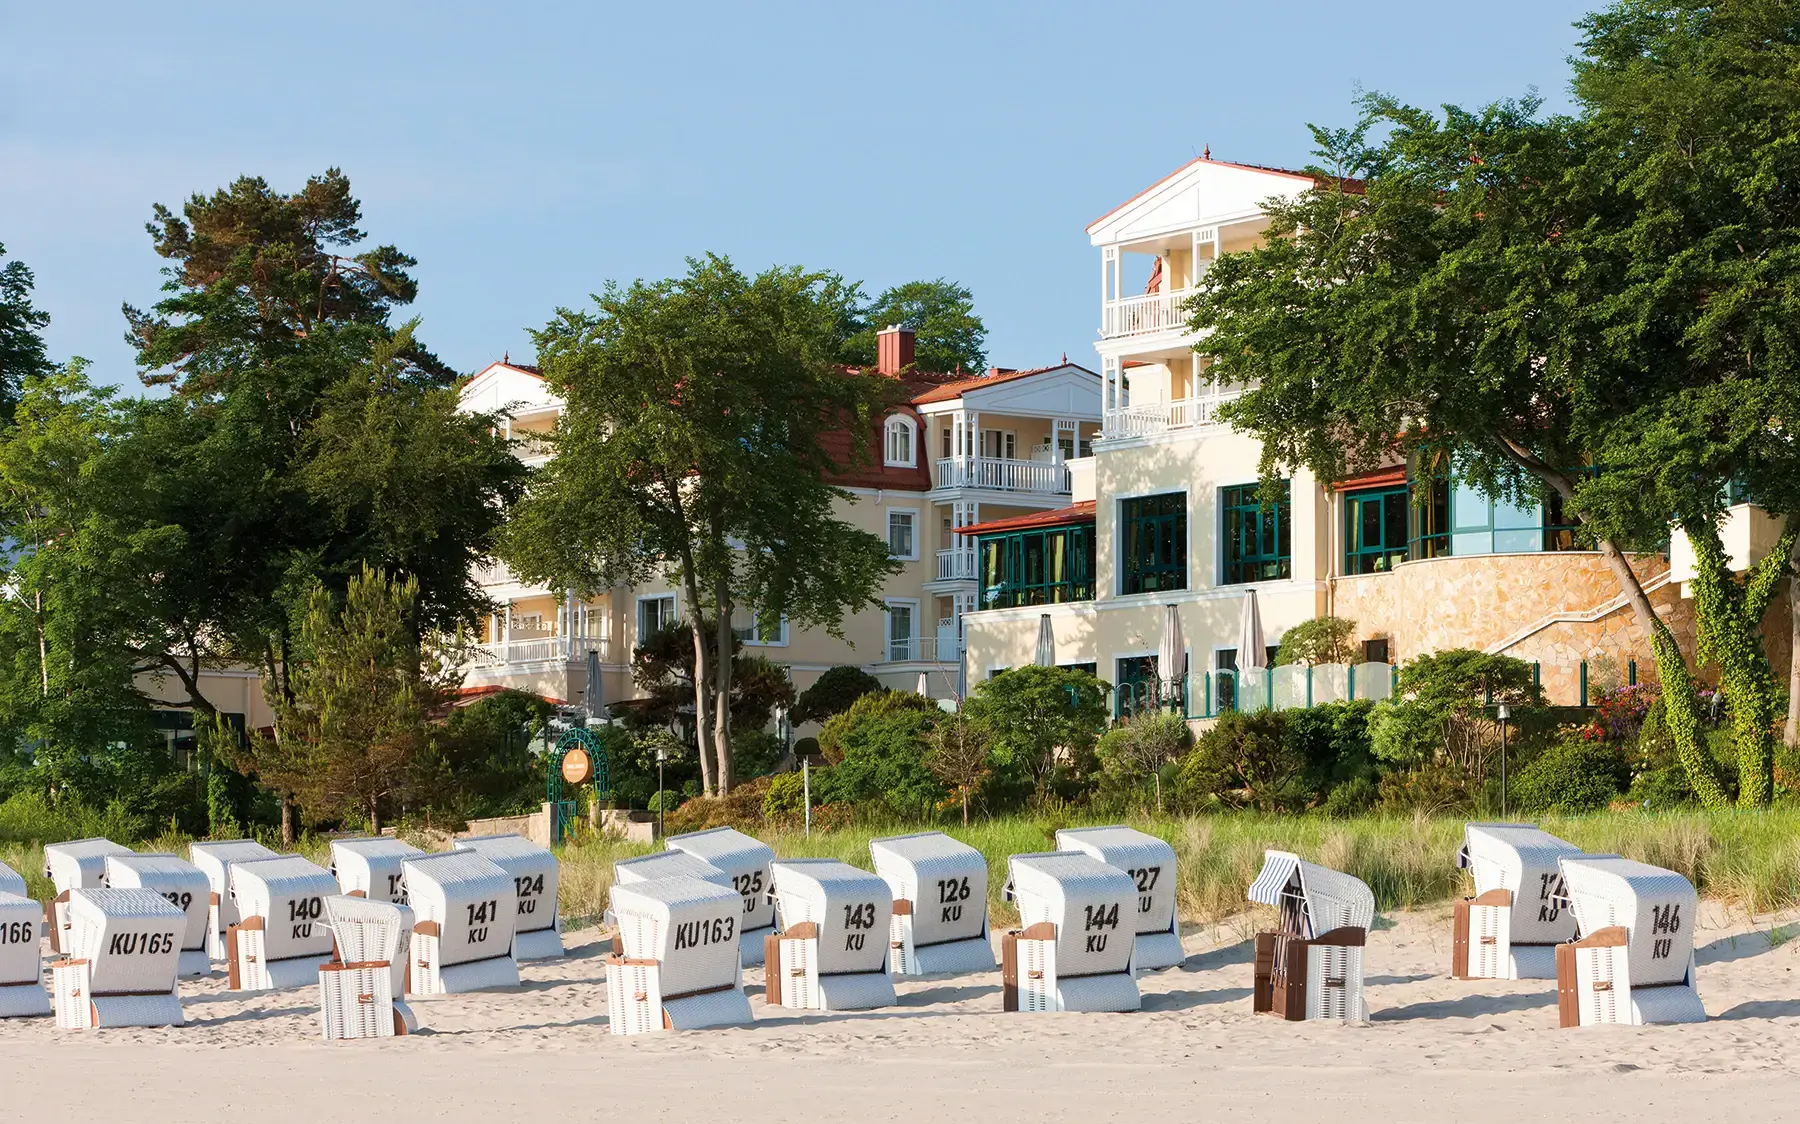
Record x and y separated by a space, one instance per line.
924 685
1251 649
1171 653
1046 644
593 697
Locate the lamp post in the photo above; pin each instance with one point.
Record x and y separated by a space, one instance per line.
1502 713
662 755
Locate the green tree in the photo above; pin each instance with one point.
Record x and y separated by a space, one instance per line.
961 757
1316 641
833 692
880 747
1039 717
1144 747
22 352
357 718
947 334
696 442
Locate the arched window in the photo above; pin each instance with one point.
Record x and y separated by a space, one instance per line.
899 444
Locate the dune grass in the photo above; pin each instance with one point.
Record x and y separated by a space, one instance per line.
1749 860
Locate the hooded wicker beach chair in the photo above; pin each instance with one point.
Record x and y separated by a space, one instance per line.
1510 929
75 865
1311 965
1633 961
183 885
12 882
463 913
538 931
362 987
1074 946
1150 864
22 992
939 887
832 951
371 868
280 939
745 862
678 967
214 858
124 947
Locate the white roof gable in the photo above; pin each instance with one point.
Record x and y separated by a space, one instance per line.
1198 194
1068 391
501 387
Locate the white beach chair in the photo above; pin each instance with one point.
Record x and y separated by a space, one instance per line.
745 862
12 882
124 947
537 933
183 885
940 922
75 865
22 992
280 938
1150 864
371 868
361 988
1311 966
832 951
1510 929
214 858
679 968
1074 946
463 908
1633 962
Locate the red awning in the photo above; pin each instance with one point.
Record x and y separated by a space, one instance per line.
1082 512
1388 477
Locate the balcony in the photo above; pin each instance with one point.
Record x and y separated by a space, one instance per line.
956 565
923 649
530 649
1144 315
1004 474
1145 419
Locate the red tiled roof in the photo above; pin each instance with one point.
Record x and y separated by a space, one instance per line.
1353 186
1373 478
944 392
1082 512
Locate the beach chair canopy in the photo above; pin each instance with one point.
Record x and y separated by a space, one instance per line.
464 894
180 882
371 867
744 860
943 880
1090 902
1522 860
1147 860
686 924
80 862
667 864
214 859
11 881
1313 899
533 870
852 908
131 939
288 893
1655 906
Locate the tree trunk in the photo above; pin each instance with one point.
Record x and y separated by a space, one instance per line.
721 733
287 820
702 703
374 818
1791 735
965 804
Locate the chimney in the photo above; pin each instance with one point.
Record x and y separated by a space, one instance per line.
893 349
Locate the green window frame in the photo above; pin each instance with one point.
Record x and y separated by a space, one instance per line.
1375 529
1037 567
1257 542
1153 538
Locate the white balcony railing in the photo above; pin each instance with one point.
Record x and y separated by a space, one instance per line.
956 564
1145 418
1003 474
540 649
925 649
1144 315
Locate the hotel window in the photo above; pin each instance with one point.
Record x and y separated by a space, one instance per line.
1153 543
902 641
1375 530
901 540
753 627
654 615
898 444
1256 545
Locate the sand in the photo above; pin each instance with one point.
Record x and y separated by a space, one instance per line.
1434 1049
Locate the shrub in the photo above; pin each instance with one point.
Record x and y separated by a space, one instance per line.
740 808
1044 722
1574 775
879 745
806 747
664 801
1142 748
755 753
1335 739
1245 761
786 796
1352 798
832 693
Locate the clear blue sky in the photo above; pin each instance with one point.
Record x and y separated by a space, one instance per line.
526 153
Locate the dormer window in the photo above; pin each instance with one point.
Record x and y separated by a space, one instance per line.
899 443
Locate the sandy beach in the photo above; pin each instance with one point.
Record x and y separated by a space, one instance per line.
1434 1049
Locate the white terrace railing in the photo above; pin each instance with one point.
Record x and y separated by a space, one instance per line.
956 564
1144 315
541 649
925 649
1145 418
1003 474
